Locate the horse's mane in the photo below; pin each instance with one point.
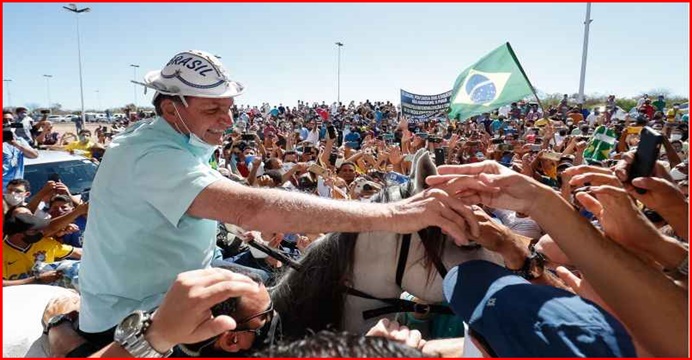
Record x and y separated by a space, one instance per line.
313 299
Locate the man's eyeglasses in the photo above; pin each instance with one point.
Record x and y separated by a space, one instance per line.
267 315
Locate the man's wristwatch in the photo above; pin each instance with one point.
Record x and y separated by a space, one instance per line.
534 265
56 320
130 335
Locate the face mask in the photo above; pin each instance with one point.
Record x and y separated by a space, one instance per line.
193 140
675 137
21 116
14 199
31 239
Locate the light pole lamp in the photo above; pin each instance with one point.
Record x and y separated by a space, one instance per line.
134 86
47 76
9 97
73 8
338 72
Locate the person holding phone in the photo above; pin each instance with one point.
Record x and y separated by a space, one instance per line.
14 149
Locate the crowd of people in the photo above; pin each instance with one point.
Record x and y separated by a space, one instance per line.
185 191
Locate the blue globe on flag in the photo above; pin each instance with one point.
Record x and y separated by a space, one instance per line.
480 89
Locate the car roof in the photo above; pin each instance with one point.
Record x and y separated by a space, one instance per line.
52 156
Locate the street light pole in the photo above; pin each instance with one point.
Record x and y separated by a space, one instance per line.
582 76
48 89
134 86
9 97
73 8
338 72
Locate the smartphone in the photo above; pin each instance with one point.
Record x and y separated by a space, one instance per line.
439 156
646 155
422 135
536 148
54 177
332 159
435 139
316 169
247 137
550 155
388 137
332 131
7 135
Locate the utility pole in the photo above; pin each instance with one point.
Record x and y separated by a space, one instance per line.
585 49
338 72
134 86
73 8
48 89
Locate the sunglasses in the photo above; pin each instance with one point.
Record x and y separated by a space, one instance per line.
267 315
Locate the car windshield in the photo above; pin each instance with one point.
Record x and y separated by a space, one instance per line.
76 174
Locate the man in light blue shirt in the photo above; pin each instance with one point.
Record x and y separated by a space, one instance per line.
155 201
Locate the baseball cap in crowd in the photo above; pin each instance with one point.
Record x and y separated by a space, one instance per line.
515 318
192 73
20 223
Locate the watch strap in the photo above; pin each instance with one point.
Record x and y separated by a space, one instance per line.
56 320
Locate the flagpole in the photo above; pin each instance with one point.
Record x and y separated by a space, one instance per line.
533 90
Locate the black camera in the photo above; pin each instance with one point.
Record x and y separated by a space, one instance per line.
247 137
45 112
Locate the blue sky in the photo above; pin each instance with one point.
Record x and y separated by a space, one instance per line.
286 52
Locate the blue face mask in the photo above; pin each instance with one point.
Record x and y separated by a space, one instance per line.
200 147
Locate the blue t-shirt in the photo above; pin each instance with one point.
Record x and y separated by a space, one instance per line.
12 162
139 236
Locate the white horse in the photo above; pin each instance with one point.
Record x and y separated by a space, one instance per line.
314 298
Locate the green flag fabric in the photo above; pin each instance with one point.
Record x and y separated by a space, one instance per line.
493 81
601 144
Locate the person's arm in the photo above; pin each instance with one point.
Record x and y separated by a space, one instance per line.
657 317
27 150
42 278
61 222
672 156
324 157
663 304
252 177
270 210
299 167
42 195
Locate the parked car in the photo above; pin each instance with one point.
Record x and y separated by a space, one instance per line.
75 171
56 118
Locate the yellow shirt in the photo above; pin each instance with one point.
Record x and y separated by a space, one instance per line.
17 262
541 122
80 147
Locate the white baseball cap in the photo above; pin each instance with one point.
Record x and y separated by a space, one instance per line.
192 73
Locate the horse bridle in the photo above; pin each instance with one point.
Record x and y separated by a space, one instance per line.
396 305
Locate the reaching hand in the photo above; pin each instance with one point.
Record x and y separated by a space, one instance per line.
184 316
619 216
393 331
660 195
49 277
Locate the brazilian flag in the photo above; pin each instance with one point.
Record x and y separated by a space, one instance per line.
495 80
601 144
